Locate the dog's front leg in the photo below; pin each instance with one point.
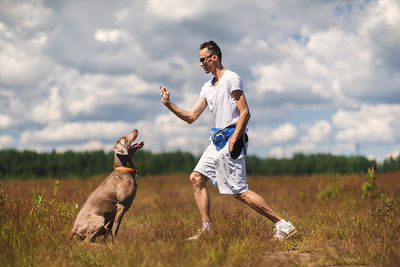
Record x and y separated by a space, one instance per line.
118 217
108 227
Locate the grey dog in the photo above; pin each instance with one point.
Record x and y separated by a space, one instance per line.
102 212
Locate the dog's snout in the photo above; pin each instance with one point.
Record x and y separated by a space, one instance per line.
132 136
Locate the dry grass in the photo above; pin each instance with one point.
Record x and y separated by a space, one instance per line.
338 224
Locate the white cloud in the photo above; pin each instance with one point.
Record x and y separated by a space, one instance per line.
89 146
276 152
395 153
318 66
263 136
271 77
174 9
110 36
21 57
371 124
382 13
11 108
29 14
318 132
165 133
303 147
5 121
90 93
342 64
49 110
121 15
6 141
344 148
76 131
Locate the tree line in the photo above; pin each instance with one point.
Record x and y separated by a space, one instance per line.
30 164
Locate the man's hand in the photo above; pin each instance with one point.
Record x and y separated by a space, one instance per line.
165 95
231 144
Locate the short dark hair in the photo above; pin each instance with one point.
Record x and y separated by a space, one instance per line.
213 47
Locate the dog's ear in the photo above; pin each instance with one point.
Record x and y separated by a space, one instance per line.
121 147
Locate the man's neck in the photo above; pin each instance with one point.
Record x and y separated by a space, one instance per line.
219 71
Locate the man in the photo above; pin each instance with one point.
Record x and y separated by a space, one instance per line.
223 164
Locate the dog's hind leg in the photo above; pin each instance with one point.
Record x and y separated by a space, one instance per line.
93 233
96 228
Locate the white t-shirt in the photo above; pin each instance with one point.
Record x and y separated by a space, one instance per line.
220 99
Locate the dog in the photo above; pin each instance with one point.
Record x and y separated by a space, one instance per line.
102 212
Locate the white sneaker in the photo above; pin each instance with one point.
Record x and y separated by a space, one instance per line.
284 232
200 232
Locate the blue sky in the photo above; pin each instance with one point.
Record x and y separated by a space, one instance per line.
319 76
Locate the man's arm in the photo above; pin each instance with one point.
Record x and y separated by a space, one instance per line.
244 117
189 116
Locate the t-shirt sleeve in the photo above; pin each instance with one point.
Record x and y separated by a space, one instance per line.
202 95
235 83
203 92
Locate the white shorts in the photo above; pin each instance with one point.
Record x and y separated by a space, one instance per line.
222 170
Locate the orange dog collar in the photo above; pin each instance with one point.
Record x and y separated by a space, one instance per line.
125 169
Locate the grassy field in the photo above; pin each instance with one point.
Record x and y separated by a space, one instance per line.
339 222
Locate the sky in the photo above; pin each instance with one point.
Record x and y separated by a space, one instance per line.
319 76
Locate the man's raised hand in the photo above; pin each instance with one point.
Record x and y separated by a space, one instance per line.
164 95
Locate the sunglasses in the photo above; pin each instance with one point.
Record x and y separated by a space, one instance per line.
203 59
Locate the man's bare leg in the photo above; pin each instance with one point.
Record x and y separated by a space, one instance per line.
201 195
283 228
258 203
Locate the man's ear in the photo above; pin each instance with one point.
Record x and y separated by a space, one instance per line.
121 147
